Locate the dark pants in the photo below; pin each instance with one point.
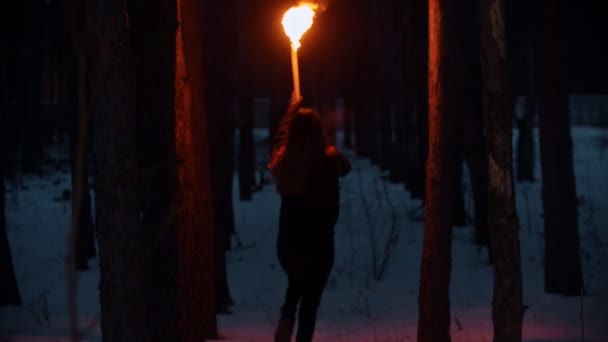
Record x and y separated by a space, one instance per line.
307 266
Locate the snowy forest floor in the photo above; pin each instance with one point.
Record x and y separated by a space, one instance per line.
380 229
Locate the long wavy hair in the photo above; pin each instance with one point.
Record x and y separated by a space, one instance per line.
303 154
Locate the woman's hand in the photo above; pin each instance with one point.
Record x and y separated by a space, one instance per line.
294 103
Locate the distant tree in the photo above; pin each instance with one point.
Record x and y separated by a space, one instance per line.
417 116
244 88
507 306
563 273
471 122
220 58
120 234
9 292
435 269
78 109
246 147
32 142
525 125
525 15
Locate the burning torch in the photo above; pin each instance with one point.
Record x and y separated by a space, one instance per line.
296 21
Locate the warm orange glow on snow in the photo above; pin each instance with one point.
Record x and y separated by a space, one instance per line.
296 21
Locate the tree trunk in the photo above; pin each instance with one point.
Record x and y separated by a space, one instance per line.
196 319
562 254
525 125
121 247
459 214
507 307
9 292
221 57
417 146
153 26
434 302
348 126
85 237
473 137
31 134
246 149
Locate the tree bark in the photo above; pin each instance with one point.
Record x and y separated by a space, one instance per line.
563 273
153 26
196 319
507 306
434 303
121 247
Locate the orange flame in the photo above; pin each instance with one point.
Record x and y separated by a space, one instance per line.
296 21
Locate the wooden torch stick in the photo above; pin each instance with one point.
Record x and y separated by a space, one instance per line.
296 73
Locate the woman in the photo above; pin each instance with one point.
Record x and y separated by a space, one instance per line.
306 170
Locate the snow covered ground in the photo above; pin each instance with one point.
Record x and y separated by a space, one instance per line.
356 307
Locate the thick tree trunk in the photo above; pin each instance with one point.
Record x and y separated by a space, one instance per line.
507 306
121 247
434 302
153 25
563 273
196 319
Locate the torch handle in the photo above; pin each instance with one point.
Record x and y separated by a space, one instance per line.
296 73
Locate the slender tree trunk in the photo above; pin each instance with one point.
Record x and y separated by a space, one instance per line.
246 161
473 138
196 319
434 302
348 126
525 125
563 273
246 149
507 306
405 108
459 215
419 119
85 238
221 56
32 134
120 234
9 292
